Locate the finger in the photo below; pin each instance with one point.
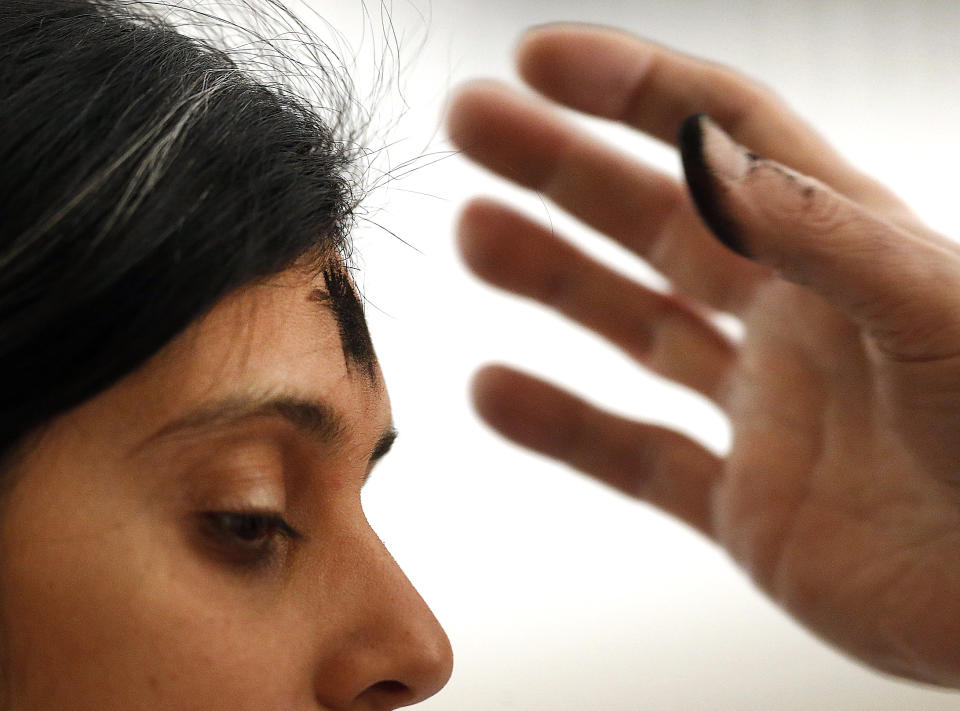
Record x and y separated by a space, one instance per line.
652 463
903 290
660 331
612 74
646 211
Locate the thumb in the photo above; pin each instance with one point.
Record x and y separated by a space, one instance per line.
902 289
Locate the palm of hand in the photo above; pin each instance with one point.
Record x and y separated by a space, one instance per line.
829 500
841 493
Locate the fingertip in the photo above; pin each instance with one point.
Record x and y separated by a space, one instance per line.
590 68
544 32
468 88
524 409
551 36
535 45
476 207
458 110
472 211
474 228
471 104
487 387
706 189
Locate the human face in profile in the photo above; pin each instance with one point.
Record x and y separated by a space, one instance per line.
192 537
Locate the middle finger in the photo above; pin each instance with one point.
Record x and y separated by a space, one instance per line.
646 211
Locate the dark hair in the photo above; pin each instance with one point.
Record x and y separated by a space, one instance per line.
143 176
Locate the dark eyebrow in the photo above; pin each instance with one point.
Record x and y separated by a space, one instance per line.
383 445
341 297
380 450
315 419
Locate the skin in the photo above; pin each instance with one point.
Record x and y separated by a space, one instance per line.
118 591
839 495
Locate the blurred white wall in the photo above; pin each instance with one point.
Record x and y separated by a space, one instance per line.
556 593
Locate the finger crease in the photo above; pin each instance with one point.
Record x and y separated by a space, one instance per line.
638 87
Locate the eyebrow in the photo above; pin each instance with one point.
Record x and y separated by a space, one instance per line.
315 419
341 297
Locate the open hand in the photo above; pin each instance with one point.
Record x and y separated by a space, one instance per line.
841 493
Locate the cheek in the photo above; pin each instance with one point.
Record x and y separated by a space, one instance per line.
119 617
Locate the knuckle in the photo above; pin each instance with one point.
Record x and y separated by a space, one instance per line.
553 173
801 201
819 209
557 287
572 439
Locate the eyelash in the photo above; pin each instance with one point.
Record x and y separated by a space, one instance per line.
249 539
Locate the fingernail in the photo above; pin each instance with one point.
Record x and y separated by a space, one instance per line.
710 159
727 159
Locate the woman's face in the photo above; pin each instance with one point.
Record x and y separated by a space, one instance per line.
192 538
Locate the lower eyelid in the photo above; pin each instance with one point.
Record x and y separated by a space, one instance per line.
239 555
273 521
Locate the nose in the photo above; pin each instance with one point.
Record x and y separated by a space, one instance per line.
393 652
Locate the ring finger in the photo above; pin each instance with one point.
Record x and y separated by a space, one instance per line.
663 332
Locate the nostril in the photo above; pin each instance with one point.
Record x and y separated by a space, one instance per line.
393 689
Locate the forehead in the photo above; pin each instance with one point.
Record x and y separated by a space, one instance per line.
281 335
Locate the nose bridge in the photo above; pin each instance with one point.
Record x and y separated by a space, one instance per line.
394 652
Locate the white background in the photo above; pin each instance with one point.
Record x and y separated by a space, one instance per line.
556 593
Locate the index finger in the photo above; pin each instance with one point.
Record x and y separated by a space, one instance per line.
614 75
